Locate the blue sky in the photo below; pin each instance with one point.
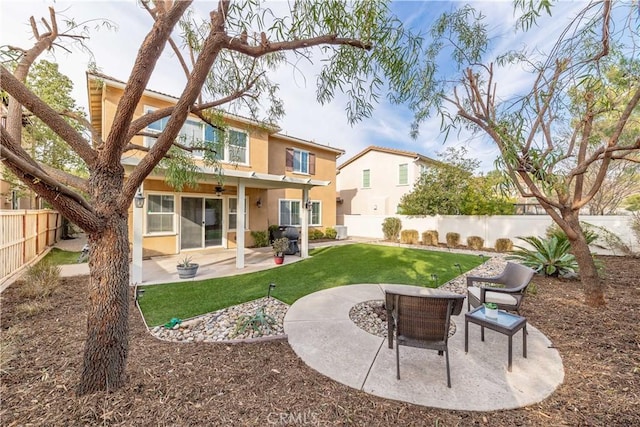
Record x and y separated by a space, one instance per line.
389 126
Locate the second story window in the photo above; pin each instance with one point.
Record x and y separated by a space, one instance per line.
300 161
366 178
230 145
403 174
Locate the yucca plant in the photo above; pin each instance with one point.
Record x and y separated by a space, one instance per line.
550 256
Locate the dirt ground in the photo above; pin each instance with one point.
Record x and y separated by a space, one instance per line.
266 384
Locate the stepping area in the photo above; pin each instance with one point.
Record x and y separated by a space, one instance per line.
321 333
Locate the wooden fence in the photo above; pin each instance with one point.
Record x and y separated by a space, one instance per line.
25 234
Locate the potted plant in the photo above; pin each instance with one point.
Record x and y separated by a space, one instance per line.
280 246
186 268
491 310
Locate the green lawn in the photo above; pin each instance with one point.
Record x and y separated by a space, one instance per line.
58 257
329 267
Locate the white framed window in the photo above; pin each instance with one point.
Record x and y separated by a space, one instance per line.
160 213
232 147
290 213
315 214
233 213
300 161
366 178
403 174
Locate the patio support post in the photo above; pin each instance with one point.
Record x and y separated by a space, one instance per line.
304 244
136 256
240 226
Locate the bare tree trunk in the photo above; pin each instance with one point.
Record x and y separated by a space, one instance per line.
107 345
593 286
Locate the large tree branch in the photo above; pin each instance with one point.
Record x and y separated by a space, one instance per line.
144 121
587 128
43 42
143 67
96 140
159 6
48 115
66 178
34 176
266 47
210 50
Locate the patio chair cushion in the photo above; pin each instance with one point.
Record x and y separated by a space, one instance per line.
498 298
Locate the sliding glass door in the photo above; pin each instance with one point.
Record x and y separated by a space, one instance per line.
200 222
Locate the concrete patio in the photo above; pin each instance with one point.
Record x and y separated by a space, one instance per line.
324 337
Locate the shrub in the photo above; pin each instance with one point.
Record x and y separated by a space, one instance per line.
260 239
9 344
409 236
453 239
550 256
391 228
589 234
31 308
504 245
315 234
330 233
475 242
40 281
430 237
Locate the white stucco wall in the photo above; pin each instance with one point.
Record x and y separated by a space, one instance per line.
490 228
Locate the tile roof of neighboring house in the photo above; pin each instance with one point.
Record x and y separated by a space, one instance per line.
412 154
274 129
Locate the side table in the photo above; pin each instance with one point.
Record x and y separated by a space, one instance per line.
505 323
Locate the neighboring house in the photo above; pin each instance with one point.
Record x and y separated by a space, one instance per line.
373 181
267 178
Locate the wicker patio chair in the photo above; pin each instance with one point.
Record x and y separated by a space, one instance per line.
514 280
421 321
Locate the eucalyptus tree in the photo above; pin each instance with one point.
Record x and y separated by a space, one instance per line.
548 135
226 58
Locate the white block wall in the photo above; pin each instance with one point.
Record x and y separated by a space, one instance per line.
490 228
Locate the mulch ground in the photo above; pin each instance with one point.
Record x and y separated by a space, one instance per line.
266 384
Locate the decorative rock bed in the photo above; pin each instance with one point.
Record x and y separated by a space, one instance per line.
232 323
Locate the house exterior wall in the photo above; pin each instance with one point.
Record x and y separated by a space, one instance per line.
266 154
325 170
384 192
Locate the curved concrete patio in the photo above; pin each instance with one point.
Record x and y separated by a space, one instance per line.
320 332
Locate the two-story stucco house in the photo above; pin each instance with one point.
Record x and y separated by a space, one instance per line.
266 178
373 181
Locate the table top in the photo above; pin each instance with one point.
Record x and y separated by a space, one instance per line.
505 320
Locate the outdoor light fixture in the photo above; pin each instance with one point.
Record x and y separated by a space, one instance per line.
271 286
259 203
138 199
308 205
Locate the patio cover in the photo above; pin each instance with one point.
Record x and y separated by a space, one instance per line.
241 179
